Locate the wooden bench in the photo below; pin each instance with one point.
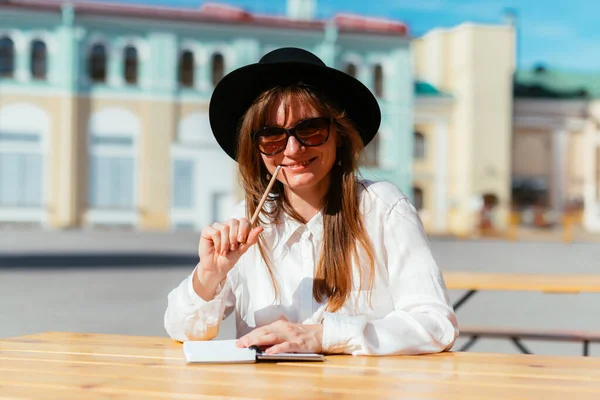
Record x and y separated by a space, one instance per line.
516 335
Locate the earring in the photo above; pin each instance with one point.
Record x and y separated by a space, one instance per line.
268 176
339 163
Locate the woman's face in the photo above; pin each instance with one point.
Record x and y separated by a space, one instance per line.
304 168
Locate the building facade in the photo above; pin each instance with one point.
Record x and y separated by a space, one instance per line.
463 127
556 152
104 107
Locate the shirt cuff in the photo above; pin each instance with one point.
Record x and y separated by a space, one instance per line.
339 332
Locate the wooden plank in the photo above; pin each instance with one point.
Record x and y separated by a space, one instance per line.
97 339
58 392
116 350
360 363
462 280
343 377
240 386
408 364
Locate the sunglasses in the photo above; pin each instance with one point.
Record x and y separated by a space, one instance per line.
311 132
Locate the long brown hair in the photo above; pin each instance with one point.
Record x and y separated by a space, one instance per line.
344 232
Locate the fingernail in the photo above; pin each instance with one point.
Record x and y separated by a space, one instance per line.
240 239
233 246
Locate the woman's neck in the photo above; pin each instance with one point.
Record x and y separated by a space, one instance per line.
307 203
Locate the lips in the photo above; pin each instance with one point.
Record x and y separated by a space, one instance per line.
299 164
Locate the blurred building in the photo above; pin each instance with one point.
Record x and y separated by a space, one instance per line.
556 149
103 107
463 127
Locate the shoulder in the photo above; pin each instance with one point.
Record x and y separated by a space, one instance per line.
383 196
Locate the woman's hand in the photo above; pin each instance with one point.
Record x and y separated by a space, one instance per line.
221 246
285 337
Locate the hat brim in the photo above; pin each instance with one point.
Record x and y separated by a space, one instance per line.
236 92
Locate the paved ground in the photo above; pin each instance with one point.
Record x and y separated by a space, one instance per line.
130 299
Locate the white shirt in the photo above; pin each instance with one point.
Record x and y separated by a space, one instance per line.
410 313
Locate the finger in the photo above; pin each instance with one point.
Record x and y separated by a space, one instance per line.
212 237
267 339
285 347
224 229
249 338
233 233
243 230
252 239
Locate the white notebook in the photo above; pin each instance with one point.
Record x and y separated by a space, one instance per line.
225 351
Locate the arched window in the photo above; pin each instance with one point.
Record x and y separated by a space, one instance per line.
218 68
351 69
378 80
24 129
39 64
370 155
418 197
97 63
186 69
420 146
131 65
7 57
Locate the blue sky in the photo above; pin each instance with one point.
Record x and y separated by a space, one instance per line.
562 35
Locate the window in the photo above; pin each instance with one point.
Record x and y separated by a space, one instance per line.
370 156
39 64
418 197
23 128
420 149
97 63
186 69
351 69
218 68
378 80
112 148
7 58
112 172
131 65
20 170
183 187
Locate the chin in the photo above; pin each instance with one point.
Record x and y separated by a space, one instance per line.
303 182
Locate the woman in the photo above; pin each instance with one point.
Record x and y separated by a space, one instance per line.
334 264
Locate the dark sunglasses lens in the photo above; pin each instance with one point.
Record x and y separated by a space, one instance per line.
271 140
313 132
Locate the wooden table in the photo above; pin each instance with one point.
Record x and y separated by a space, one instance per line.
86 366
472 282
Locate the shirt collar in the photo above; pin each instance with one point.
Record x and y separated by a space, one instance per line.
290 226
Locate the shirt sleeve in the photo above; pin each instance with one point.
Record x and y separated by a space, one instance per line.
423 320
189 317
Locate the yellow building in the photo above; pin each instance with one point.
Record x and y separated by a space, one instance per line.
463 127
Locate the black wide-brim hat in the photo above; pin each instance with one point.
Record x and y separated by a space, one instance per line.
236 92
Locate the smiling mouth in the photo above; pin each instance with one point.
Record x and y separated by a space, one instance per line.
299 165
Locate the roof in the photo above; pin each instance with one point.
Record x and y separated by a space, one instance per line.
426 89
548 83
214 13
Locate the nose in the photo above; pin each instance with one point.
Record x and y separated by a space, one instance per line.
293 146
